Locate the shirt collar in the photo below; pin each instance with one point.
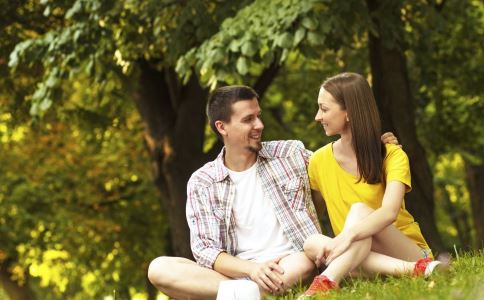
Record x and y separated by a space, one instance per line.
221 171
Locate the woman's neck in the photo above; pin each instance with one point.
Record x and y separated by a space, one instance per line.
345 145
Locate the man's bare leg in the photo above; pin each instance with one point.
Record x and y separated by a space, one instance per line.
181 278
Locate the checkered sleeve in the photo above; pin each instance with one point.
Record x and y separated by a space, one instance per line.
306 155
205 235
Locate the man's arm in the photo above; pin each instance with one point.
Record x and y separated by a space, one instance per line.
205 235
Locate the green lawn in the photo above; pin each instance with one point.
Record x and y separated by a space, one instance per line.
463 280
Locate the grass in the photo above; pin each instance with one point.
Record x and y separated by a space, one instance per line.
463 280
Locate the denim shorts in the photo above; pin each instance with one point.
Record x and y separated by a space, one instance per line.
426 252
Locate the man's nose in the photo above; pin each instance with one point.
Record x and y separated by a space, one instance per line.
259 124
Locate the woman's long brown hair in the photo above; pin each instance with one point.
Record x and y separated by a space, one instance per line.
353 94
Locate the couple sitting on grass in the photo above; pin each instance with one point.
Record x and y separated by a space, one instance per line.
251 212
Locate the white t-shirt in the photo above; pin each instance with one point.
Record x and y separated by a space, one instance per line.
258 232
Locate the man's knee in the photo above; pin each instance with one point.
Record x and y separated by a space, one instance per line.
161 271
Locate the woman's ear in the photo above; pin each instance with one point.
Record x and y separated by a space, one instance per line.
220 127
347 119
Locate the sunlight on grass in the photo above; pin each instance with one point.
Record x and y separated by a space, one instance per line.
463 280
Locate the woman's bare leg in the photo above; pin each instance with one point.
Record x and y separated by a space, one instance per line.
392 253
351 258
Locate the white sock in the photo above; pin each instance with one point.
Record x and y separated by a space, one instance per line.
240 289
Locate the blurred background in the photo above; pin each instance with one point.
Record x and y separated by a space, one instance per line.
102 119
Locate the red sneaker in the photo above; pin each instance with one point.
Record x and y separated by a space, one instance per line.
425 266
321 284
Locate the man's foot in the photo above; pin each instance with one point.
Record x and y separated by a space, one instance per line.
426 266
321 284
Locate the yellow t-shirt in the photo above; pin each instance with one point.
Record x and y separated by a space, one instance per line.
340 190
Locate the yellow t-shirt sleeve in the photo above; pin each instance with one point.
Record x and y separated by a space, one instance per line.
312 172
397 166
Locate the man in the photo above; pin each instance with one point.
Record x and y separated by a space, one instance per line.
249 211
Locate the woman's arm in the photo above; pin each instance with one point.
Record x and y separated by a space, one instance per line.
371 224
383 216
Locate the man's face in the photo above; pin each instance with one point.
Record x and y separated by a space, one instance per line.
244 131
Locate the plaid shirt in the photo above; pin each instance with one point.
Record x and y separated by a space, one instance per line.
211 194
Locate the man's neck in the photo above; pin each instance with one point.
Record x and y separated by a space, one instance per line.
239 162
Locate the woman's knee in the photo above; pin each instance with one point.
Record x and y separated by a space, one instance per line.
313 243
360 209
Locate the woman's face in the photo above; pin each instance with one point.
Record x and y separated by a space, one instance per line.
330 115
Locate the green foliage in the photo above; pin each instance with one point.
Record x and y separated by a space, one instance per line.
105 40
265 32
447 65
76 208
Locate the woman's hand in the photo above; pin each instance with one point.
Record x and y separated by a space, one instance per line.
331 250
338 246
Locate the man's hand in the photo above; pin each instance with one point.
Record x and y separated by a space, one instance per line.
268 275
389 138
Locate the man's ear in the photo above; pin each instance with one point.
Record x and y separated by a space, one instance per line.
220 127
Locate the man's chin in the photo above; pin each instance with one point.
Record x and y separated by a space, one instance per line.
255 148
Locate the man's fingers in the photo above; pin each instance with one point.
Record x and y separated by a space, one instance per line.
263 285
276 267
276 280
269 283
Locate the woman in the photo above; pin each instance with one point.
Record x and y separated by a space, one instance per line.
363 183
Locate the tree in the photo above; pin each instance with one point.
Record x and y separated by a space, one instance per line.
392 90
446 65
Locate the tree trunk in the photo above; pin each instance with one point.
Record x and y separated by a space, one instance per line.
475 185
12 288
392 92
174 131
174 119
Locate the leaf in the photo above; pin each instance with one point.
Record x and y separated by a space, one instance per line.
47 11
45 104
34 109
309 23
74 9
242 65
285 52
315 39
249 48
268 58
234 45
299 36
217 55
51 81
285 40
